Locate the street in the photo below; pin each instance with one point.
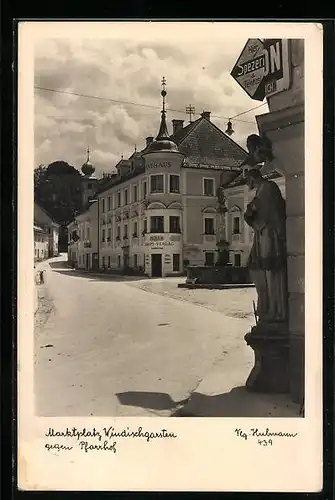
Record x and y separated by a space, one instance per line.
112 346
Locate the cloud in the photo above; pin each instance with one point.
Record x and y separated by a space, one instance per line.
130 69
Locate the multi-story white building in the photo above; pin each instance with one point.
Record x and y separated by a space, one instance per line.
160 212
41 244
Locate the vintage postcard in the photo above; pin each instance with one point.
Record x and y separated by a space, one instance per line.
169 256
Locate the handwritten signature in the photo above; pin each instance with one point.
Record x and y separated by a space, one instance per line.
267 434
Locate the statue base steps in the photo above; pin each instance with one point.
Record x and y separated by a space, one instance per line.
270 343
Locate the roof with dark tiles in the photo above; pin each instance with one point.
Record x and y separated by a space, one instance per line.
203 144
180 135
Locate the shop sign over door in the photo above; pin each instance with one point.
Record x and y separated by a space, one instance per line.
158 241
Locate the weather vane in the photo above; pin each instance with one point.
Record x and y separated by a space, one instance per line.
163 93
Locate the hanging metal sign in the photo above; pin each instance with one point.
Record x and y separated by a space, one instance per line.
263 68
277 68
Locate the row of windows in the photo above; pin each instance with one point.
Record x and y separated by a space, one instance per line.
156 186
157 226
106 260
83 235
39 252
210 225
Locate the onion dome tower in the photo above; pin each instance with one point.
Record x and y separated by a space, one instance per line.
163 142
88 180
88 169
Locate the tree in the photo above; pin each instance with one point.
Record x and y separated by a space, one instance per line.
39 174
58 189
60 167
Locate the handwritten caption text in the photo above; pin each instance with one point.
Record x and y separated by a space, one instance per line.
87 440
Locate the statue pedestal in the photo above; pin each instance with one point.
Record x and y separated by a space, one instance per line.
270 342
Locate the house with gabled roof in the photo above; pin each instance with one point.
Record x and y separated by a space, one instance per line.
160 212
46 230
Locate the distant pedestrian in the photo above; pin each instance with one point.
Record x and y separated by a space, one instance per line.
42 277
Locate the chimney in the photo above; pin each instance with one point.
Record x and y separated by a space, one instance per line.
206 114
149 140
177 125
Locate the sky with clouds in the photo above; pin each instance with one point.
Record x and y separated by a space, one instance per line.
128 66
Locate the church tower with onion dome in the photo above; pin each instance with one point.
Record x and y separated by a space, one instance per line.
163 204
89 181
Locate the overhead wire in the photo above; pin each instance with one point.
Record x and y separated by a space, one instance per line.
118 101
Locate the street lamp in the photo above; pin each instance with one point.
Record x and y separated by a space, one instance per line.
230 130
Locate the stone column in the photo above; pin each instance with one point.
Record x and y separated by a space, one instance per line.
284 126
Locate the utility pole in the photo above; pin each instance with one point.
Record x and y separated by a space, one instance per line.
97 200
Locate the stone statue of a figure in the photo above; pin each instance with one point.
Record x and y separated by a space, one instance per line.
265 214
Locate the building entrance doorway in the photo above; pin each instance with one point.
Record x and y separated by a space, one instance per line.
126 257
209 258
156 265
87 264
95 261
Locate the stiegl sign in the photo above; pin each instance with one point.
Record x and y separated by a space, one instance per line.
263 68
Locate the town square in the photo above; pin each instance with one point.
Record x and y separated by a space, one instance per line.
168 242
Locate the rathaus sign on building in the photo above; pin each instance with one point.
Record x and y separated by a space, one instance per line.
160 212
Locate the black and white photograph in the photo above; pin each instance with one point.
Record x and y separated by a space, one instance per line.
169 228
